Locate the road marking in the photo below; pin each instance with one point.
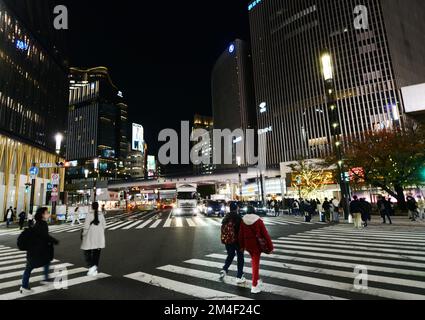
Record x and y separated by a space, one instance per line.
155 224
144 224
14 257
355 258
214 221
183 288
282 244
133 225
343 274
332 263
113 225
13 283
268 288
300 239
39 270
121 225
169 220
366 234
12 253
200 222
314 281
2 263
43 289
341 238
179 222
190 222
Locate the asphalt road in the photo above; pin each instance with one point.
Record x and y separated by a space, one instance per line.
147 257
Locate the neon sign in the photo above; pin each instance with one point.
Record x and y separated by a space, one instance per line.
22 45
253 4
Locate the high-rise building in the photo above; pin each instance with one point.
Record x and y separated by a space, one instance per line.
233 92
376 47
204 123
135 166
97 122
33 102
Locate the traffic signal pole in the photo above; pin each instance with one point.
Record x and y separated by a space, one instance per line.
33 182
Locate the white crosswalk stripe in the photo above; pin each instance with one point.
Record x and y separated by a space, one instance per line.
184 288
11 271
306 266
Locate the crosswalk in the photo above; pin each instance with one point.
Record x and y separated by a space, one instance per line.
321 264
138 222
12 266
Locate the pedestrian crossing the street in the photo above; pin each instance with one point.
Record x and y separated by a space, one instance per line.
137 222
12 266
332 263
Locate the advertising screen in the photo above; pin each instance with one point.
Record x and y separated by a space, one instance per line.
138 140
151 166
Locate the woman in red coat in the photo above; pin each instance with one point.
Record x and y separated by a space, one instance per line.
252 232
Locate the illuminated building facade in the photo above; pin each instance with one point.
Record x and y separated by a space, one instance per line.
33 100
207 124
372 58
97 124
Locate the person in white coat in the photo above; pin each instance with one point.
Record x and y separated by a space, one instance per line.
93 238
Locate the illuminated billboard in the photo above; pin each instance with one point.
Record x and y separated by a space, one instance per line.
138 140
151 167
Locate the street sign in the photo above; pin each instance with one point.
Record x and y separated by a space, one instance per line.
47 165
55 179
34 171
49 187
55 194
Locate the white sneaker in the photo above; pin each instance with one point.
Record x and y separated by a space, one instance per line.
256 290
223 274
24 291
240 280
92 272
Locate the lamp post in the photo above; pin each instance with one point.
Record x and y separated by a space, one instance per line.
239 161
58 140
96 170
86 175
336 130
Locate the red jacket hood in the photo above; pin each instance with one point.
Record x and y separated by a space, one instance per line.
250 219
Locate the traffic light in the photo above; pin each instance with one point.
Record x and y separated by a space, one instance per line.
27 188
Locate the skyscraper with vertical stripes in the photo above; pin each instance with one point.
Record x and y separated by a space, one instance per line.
371 61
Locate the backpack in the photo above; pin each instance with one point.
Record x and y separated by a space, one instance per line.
24 239
228 234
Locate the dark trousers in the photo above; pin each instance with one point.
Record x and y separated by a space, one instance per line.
21 223
92 257
8 222
232 251
384 215
27 275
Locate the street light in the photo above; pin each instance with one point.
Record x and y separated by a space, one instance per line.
336 130
239 161
58 139
86 175
96 167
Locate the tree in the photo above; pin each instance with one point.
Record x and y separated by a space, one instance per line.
311 176
392 160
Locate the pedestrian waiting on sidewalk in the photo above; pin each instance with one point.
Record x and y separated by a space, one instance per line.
356 211
254 238
230 238
93 239
385 209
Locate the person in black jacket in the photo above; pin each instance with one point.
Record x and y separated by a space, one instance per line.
366 211
230 238
40 252
22 217
356 210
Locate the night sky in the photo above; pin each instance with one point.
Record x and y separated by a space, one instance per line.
160 53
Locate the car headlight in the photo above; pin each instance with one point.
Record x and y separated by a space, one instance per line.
210 209
245 209
223 208
265 209
178 211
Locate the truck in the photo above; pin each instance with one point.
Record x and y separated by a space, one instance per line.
187 200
